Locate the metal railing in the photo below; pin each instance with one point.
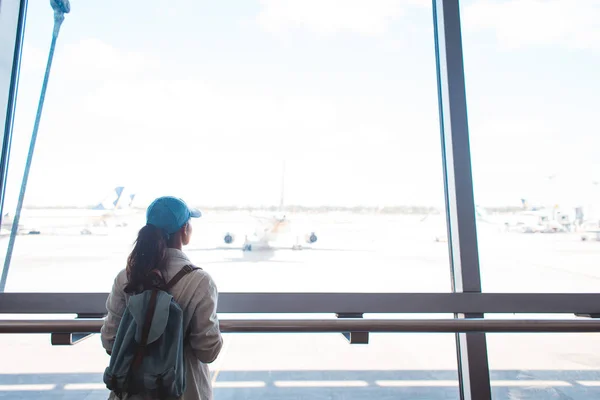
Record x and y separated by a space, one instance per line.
290 303
325 325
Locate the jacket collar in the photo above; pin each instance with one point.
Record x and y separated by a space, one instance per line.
177 254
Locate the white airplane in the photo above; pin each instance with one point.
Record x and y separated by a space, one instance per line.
590 230
588 224
527 221
112 211
540 219
268 232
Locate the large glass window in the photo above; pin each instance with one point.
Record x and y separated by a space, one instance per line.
532 91
297 123
308 134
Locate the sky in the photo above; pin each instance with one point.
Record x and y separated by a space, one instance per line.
208 100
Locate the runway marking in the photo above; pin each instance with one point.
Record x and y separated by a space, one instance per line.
85 386
417 383
449 383
320 383
588 383
525 383
239 384
32 387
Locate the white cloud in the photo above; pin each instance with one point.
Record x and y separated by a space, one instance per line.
94 59
87 59
119 116
526 23
330 17
513 157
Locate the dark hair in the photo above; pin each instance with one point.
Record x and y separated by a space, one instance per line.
148 254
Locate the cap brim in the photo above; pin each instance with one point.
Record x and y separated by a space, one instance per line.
195 213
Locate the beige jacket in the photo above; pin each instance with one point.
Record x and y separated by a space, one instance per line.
196 293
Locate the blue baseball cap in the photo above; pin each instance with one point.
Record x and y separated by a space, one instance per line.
170 213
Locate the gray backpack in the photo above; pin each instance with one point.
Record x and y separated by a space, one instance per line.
147 355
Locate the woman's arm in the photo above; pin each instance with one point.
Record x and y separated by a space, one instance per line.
205 337
115 306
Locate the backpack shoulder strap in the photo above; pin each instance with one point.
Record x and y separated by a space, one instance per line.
183 271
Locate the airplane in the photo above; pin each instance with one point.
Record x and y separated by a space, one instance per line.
112 211
527 207
588 223
539 220
269 230
272 229
542 219
554 217
590 230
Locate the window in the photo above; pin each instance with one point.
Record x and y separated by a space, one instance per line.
293 117
319 119
532 91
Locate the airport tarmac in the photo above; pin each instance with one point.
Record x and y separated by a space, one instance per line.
358 254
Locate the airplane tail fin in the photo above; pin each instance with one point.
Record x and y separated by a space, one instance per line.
112 201
525 204
125 200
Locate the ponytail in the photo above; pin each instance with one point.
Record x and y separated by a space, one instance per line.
148 254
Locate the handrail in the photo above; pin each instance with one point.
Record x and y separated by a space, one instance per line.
289 303
326 325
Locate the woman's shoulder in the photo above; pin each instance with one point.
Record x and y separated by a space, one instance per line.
196 286
121 276
201 277
119 282
198 276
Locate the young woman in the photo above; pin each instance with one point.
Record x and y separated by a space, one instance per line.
159 247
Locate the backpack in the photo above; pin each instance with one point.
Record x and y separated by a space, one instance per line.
147 355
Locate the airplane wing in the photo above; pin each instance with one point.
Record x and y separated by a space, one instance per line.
272 248
214 248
